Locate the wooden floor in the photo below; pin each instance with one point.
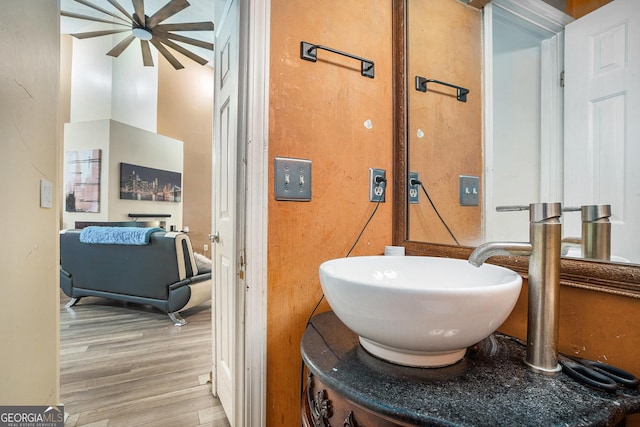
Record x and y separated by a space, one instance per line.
127 365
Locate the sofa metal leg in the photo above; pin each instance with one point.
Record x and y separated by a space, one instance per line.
72 302
177 319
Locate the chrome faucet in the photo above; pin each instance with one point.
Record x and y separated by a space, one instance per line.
543 250
596 232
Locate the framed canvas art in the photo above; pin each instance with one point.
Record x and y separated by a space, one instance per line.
144 183
82 180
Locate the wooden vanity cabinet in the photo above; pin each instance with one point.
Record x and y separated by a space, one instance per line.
323 407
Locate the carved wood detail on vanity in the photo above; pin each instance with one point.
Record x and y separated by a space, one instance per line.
320 406
350 421
323 407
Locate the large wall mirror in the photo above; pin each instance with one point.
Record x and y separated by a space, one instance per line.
481 130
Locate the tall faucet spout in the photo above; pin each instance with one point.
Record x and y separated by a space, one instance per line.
487 250
543 250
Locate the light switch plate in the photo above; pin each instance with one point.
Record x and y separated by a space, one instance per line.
469 190
46 194
292 179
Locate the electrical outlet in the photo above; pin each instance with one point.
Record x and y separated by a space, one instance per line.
377 185
469 190
414 189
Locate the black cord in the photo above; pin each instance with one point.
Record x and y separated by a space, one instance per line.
418 182
380 182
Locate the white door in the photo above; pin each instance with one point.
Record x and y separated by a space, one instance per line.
228 335
602 130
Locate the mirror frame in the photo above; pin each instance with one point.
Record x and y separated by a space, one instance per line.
620 279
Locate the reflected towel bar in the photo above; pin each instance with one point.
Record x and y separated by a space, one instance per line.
309 52
421 85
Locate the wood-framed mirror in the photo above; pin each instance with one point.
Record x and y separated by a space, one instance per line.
622 279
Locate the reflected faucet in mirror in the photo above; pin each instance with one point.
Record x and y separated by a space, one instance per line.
543 250
595 242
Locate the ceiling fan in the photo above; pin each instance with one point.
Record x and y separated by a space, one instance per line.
148 29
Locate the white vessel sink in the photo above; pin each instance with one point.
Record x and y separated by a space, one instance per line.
419 311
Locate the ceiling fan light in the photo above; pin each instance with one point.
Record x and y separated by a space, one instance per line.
143 27
142 34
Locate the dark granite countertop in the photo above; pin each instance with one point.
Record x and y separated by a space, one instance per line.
491 386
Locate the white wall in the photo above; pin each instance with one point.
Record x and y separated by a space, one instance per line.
119 143
516 127
139 147
91 81
135 89
29 152
119 88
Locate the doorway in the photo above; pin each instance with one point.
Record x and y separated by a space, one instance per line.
523 112
254 42
190 106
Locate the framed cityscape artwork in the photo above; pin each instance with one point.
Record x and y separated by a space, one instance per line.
144 183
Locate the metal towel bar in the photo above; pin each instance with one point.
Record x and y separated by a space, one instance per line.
421 85
309 52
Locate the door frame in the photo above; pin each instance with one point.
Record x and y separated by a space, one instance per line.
253 135
551 20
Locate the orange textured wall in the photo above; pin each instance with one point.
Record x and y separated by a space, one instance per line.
445 43
185 112
578 8
317 112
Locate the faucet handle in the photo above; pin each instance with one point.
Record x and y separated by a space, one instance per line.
537 211
543 211
595 212
512 208
591 213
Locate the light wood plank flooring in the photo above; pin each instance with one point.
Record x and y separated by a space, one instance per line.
127 365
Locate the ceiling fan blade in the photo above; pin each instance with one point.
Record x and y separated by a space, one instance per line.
163 50
167 11
138 6
89 18
97 33
187 26
120 47
99 9
188 40
147 59
121 9
200 60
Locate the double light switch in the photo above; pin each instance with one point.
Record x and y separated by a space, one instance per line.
292 179
469 190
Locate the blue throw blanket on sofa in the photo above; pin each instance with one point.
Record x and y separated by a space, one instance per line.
117 235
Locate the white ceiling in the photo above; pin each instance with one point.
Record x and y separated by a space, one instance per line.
198 11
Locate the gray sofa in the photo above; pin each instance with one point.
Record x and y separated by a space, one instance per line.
161 273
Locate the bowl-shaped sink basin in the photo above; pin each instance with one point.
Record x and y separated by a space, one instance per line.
419 311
